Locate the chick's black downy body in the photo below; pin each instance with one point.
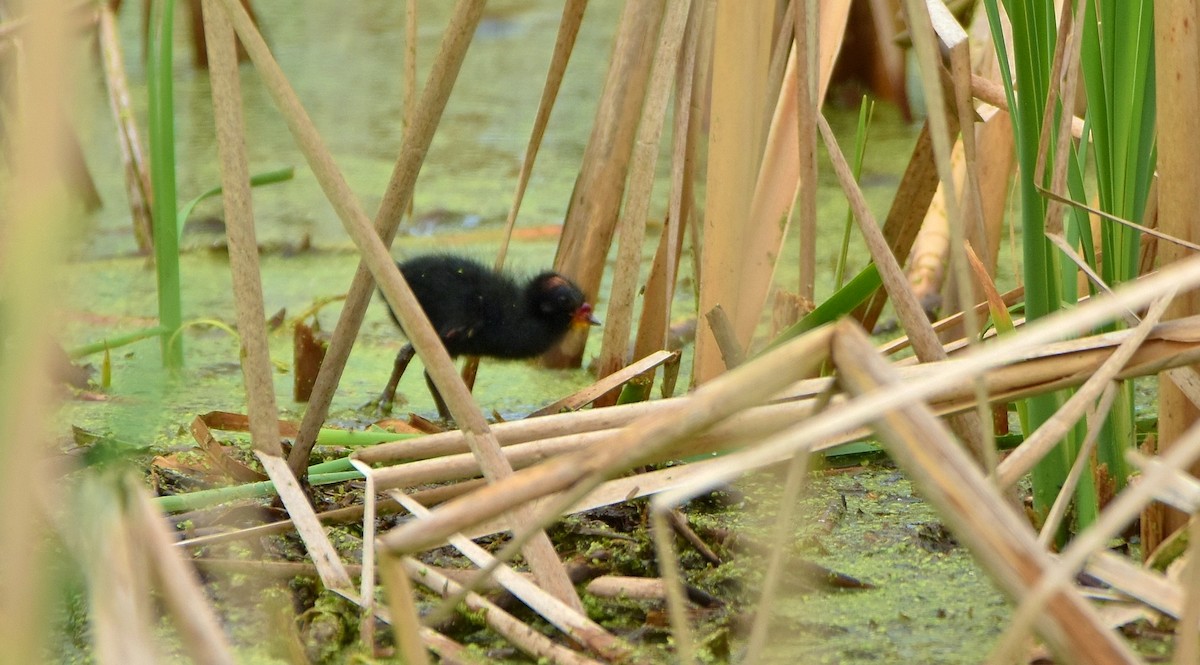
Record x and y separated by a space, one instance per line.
478 311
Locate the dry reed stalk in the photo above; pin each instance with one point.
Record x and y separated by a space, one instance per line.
979 515
741 53
1188 381
1044 438
659 291
1147 586
970 228
573 623
1183 275
410 70
275 570
780 50
34 210
402 610
417 138
617 586
903 222
1009 298
995 139
1094 419
784 530
933 30
564 46
783 165
182 590
931 246
1156 475
248 298
615 346
243 245
133 157
1144 229
582 471
1177 59
1064 75
1148 256
668 567
523 637
347 515
596 200
438 364
1050 367
808 103
366 594
607 384
732 353
117 568
912 316
610 492
1187 634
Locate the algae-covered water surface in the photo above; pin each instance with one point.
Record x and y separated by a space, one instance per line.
928 603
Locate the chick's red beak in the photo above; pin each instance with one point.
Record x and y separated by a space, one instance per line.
584 317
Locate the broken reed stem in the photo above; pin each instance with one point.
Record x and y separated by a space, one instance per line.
668 570
522 636
567 619
741 56
808 103
1187 647
564 46
1083 459
927 35
595 202
632 224
1038 444
137 178
788 502
182 591
247 281
999 539
402 610
1052 367
239 229
366 594
610 383
659 291
417 139
1112 520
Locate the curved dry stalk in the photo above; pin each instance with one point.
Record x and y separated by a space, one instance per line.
570 621
522 636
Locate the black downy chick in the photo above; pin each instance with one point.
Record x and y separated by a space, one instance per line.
480 312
